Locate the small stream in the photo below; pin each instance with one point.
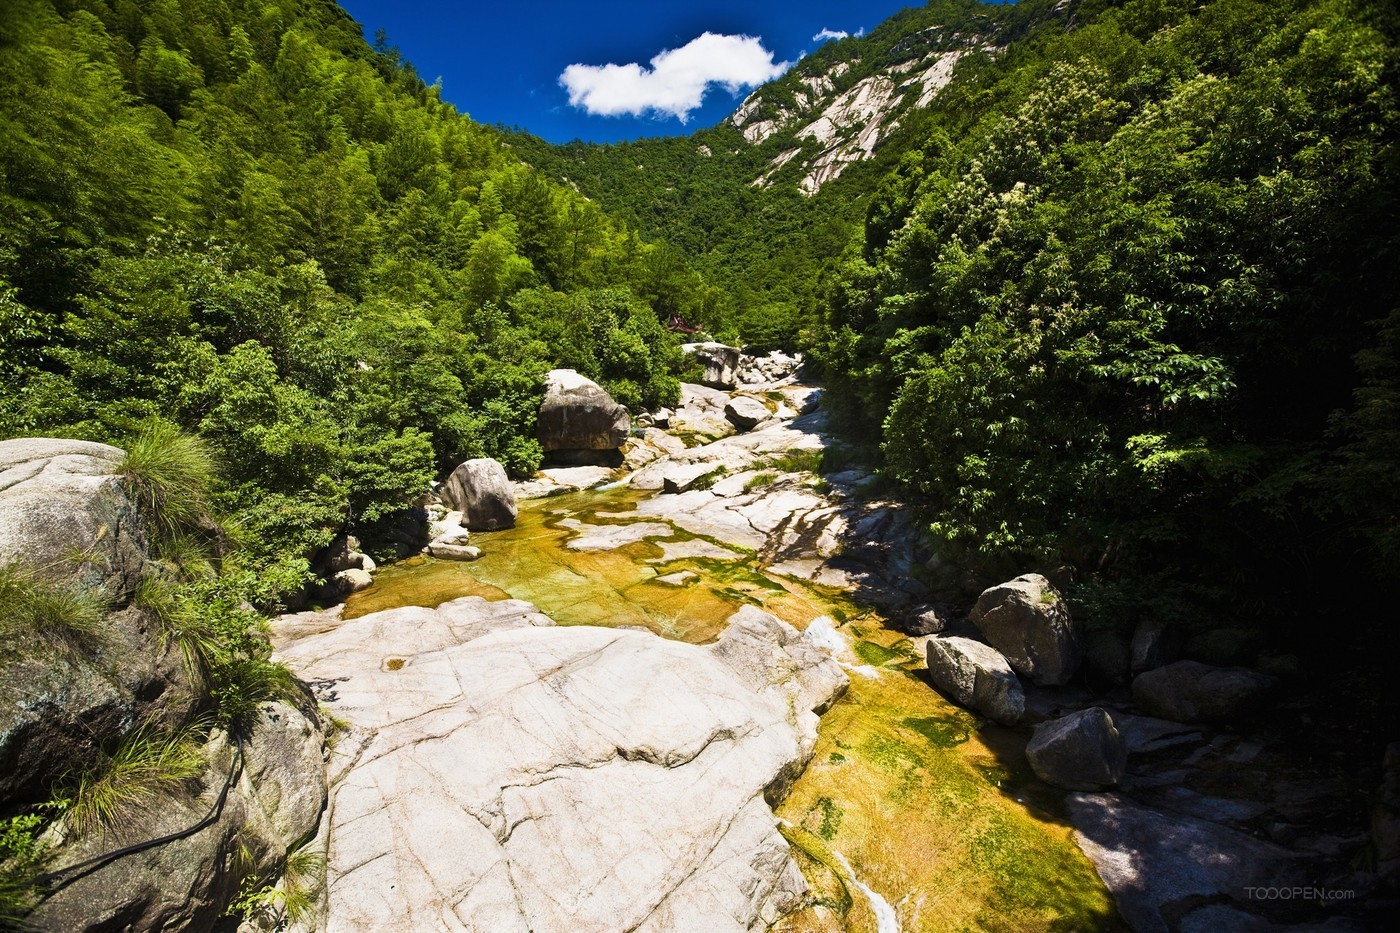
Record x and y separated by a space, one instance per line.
930 805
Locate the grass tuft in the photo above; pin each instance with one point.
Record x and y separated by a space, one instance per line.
146 765
31 603
169 475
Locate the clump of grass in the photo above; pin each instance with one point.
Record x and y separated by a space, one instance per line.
169 475
168 605
146 765
759 480
798 461
710 478
29 602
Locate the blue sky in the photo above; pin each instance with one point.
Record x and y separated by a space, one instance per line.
502 61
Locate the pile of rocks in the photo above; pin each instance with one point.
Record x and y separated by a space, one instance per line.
772 367
477 496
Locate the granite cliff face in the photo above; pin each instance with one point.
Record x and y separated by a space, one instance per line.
829 114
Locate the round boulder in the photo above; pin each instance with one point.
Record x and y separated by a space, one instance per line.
1081 751
977 677
1028 622
577 414
1189 691
482 492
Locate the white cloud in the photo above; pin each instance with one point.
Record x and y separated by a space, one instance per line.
829 34
677 80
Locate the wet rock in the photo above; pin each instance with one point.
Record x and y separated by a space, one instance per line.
578 417
1028 622
611 537
1156 644
483 493
1080 751
524 777
679 578
1158 866
745 412
721 363
444 551
976 676
1189 691
352 581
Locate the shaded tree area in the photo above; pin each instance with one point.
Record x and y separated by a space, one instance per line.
239 217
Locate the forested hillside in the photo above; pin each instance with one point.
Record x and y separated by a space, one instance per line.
763 202
1124 304
238 217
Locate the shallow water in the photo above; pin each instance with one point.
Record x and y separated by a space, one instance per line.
934 808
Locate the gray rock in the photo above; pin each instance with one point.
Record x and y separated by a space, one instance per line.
1079 751
352 581
522 777
1189 691
721 363
444 551
1028 622
744 412
483 493
62 508
1156 644
1155 865
923 620
578 415
976 676
273 805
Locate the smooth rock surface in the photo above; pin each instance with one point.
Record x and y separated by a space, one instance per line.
578 415
976 676
1078 751
520 777
443 551
1028 622
745 412
483 493
1189 691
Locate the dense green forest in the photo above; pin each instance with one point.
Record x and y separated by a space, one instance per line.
239 217
1131 308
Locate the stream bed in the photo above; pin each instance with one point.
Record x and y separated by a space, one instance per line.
912 811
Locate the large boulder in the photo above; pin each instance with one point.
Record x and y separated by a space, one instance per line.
483 493
67 524
518 776
578 417
977 677
273 804
1189 691
721 363
1080 751
1028 622
1155 644
63 508
745 412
